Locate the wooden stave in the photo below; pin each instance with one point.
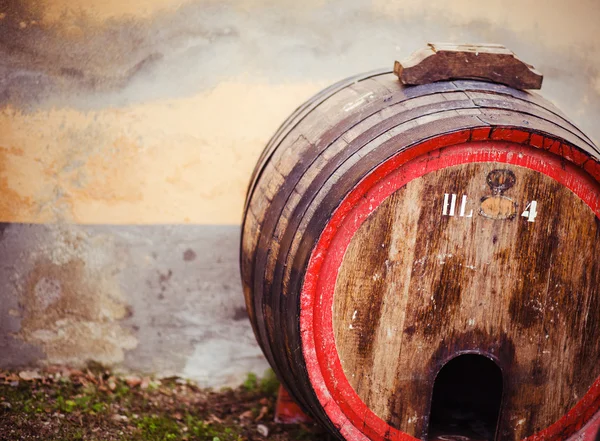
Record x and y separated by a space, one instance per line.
297 259
259 330
296 118
301 112
251 308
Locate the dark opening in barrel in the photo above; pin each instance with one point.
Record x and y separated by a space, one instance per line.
466 401
389 229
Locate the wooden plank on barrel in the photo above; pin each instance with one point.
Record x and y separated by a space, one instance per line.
488 62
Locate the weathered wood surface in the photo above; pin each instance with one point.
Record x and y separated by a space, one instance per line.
488 62
331 144
415 283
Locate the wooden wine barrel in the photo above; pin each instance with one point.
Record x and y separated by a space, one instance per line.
401 243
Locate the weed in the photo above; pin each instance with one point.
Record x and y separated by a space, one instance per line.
158 428
93 408
98 407
267 385
251 382
203 430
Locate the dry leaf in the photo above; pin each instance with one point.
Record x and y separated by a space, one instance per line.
11 378
120 418
246 415
263 412
215 419
145 383
133 381
29 375
90 376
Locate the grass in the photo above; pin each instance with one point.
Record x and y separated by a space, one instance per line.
70 405
267 386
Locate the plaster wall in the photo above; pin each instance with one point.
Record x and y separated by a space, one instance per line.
128 132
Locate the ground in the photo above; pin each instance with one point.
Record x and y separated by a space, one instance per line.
96 404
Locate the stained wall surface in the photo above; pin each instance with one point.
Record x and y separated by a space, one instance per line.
128 132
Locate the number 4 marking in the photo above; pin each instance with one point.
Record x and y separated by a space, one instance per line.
530 211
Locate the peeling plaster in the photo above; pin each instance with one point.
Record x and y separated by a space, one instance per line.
71 303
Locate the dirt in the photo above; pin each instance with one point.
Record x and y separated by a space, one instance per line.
95 404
